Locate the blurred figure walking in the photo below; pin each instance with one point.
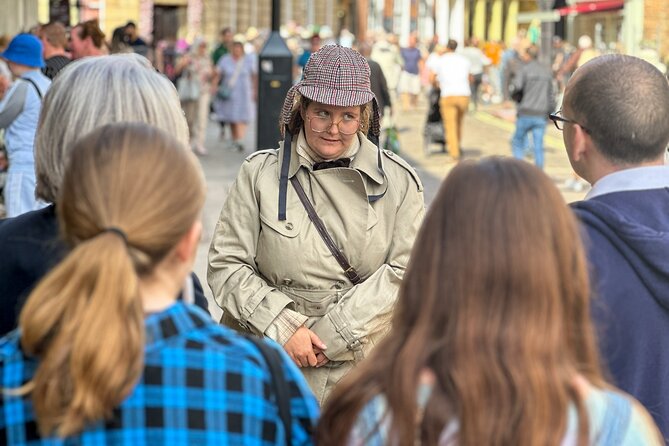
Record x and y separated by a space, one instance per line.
534 85
451 73
194 84
387 54
236 77
19 115
477 64
409 86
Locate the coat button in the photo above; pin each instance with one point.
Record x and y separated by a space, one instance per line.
339 285
289 226
287 282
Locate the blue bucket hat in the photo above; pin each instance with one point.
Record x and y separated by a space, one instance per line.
25 49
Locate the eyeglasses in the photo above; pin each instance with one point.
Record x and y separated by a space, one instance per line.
559 121
347 125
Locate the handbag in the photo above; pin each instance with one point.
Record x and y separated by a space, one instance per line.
223 92
188 88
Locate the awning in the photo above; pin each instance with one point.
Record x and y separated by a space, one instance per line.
591 6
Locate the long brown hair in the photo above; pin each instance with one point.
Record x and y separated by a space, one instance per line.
495 302
84 321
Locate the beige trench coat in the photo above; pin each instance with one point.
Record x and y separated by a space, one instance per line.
259 265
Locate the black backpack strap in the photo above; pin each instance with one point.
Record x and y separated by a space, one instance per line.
281 386
39 93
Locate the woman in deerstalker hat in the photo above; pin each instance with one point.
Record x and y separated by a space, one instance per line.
316 264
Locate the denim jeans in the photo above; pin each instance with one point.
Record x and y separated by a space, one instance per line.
524 125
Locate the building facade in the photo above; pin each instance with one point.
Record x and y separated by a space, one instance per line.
633 26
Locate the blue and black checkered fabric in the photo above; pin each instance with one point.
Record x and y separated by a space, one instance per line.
202 385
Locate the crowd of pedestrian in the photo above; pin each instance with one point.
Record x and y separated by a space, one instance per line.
350 314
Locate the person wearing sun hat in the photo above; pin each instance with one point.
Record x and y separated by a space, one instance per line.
19 114
270 268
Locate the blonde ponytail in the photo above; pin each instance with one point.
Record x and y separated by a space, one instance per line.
85 321
86 318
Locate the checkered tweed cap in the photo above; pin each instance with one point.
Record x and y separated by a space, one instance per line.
335 75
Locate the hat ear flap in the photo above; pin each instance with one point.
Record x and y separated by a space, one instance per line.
375 125
287 107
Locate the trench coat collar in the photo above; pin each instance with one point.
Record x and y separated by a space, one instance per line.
366 160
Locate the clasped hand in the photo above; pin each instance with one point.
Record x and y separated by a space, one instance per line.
306 349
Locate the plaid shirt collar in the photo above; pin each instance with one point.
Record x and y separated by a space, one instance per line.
365 159
171 323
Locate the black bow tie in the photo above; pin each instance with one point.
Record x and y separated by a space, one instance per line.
341 162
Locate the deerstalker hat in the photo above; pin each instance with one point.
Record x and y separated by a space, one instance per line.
25 49
335 75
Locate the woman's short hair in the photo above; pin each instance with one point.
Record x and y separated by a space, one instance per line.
95 91
54 33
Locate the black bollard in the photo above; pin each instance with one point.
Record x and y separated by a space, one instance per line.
275 68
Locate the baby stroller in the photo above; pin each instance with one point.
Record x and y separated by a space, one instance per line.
433 133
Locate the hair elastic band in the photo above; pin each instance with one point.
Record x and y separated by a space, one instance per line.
118 232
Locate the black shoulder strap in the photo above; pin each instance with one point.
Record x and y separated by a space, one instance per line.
281 386
350 272
39 93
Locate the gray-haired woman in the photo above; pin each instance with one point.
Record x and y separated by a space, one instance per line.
271 269
87 94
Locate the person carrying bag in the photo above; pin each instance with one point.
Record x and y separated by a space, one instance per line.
226 86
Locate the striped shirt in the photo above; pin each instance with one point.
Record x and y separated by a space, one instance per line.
54 65
202 384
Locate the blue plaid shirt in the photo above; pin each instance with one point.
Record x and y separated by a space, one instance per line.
202 385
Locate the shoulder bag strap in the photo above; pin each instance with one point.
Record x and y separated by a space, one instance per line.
235 75
350 272
281 386
39 93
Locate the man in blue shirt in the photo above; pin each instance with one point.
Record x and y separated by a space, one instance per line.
614 120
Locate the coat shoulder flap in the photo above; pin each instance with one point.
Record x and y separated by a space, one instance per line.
389 155
263 154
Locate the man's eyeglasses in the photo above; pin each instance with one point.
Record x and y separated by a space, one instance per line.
559 121
346 125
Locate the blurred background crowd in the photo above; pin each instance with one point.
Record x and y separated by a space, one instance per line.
200 44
